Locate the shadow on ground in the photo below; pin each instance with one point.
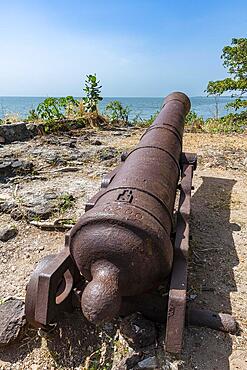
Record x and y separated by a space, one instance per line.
77 343
211 276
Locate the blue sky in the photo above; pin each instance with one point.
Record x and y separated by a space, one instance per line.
137 48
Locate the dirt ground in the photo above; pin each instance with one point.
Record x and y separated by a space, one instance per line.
218 263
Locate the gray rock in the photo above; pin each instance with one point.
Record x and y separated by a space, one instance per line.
21 167
7 206
97 142
37 207
8 232
138 331
70 143
5 168
54 159
16 214
41 212
108 153
12 167
2 140
50 195
14 132
12 320
19 131
35 129
148 363
41 207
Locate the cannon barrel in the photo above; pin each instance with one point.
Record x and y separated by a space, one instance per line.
122 245
126 244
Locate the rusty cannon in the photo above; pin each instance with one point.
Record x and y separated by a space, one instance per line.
131 240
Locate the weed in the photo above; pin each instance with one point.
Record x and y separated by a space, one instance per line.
66 201
36 218
140 122
32 116
117 113
11 118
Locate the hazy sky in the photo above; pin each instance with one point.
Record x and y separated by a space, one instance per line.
136 47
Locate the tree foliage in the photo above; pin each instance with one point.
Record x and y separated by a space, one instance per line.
92 89
235 60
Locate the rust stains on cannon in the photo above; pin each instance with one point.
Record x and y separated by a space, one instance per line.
123 247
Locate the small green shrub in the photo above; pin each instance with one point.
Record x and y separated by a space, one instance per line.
92 89
55 108
228 124
32 116
116 112
66 201
140 122
49 109
194 122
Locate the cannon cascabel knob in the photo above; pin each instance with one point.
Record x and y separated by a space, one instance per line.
101 298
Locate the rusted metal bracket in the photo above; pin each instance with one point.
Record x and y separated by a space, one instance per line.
50 289
178 284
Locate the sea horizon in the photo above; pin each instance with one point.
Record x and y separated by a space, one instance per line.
140 107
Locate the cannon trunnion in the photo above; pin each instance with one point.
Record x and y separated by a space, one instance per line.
126 244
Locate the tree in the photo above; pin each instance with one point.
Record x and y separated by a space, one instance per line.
235 60
92 89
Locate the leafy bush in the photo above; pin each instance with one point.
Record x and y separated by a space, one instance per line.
116 112
228 124
49 109
92 89
55 108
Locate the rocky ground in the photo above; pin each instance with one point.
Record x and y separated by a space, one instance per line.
48 179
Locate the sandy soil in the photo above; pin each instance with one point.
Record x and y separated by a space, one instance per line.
218 264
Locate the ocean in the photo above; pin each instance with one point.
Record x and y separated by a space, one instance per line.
141 107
